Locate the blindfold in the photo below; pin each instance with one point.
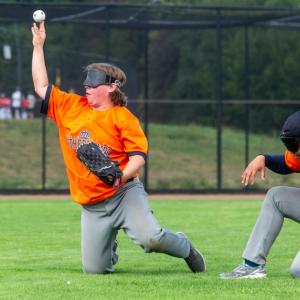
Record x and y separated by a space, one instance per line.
95 78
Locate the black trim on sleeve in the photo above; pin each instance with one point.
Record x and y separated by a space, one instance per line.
137 153
45 103
276 163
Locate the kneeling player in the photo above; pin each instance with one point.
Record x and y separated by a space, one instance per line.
100 120
280 202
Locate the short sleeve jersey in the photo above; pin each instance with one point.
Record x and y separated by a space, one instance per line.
117 131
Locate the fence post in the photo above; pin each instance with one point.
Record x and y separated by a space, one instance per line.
44 118
19 56
107 36
246 86
219 108
146 96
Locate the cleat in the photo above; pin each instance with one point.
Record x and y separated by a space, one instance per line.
244 271
195 260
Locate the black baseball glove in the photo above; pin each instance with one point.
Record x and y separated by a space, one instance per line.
92 156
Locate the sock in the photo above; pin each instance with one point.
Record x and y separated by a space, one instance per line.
251 263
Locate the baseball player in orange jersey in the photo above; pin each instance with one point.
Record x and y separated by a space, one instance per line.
280 202
101 117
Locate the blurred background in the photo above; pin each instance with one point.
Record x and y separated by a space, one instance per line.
211 82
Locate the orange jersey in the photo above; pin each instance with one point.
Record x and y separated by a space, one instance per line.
292 161
117 131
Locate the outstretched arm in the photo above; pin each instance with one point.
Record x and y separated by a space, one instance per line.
256 165
39 71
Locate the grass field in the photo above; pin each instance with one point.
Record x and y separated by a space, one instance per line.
40 254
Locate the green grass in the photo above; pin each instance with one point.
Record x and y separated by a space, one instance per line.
180 157
40 254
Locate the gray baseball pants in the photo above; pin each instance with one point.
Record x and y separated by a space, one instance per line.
129 210
280 202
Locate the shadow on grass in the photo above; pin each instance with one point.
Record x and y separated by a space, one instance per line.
146 272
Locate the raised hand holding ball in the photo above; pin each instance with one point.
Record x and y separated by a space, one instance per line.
39 16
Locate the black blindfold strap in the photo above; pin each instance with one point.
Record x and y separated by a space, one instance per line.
110 79
95 78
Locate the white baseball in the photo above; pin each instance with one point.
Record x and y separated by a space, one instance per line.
39 16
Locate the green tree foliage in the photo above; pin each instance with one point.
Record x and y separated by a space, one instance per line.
273 72
182 64
282 3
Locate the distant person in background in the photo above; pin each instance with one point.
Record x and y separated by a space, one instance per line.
280 202
2 106
31 104
16 104
24 109
5 102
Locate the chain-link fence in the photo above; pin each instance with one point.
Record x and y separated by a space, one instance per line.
186 66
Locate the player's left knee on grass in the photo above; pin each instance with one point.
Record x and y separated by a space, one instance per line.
295 267
96 269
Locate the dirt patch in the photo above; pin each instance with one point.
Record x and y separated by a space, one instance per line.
34 196
151 196
207 196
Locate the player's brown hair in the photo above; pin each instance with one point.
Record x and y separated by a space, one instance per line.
117 96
